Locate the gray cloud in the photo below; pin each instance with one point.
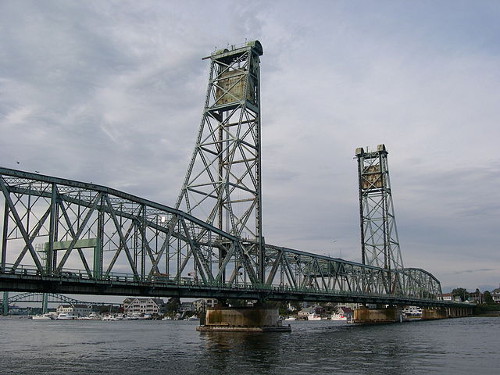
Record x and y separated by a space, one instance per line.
112 92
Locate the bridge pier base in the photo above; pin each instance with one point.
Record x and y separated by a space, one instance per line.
242 319
435 313
446 312
365 315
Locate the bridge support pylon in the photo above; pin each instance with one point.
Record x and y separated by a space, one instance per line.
242 319
5 304
446 312
389 314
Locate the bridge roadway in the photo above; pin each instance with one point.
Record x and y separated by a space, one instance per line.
71 237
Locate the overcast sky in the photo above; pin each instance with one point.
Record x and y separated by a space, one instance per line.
112 92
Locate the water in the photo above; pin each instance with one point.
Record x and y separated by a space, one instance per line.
454 346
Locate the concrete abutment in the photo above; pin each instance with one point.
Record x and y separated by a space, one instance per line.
394 314
242 319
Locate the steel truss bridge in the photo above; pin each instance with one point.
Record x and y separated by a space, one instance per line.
53 298
63 236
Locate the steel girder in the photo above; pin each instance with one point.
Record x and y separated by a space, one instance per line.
63 229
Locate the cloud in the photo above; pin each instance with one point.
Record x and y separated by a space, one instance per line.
112 92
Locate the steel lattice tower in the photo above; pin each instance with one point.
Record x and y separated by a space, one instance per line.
379 237
223 181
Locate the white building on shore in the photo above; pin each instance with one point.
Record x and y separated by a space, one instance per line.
143 306
74 310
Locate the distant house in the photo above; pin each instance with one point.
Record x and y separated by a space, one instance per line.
305 312
495 294
450 297
75 310
346 311
143 306
476 297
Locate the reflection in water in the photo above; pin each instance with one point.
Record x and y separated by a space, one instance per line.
225 351
326 345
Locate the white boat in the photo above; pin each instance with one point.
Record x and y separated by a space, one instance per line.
313 316
94 316
412 312
337 316
194 317
290 318
65 316
42 317
111 318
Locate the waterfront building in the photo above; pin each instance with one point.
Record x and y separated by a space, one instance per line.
450 297
476 297
495 294
204 303
74 310
305 312
145 306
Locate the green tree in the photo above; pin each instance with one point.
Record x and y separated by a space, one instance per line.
460 292
173 305
488 299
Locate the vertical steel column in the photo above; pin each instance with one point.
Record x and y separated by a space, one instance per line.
4 237
98 249
5 303
45 303
50 262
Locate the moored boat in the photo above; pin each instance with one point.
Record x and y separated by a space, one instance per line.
313 316
42 317
66 316
337 316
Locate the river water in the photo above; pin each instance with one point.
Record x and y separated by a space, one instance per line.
453 346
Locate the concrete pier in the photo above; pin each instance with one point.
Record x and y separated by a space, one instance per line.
434 313
242 319
394 314
372 316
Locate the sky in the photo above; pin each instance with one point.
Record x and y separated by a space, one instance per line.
112 92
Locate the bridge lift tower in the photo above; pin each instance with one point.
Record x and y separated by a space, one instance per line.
223 180
379 236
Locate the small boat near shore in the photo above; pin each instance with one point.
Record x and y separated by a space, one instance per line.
42 317
313 316
65 316
337 316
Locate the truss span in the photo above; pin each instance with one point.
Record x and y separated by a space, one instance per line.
52 298
66 236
